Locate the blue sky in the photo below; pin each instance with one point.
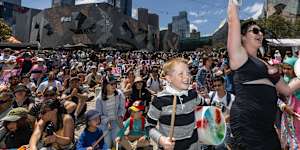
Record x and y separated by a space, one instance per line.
204 15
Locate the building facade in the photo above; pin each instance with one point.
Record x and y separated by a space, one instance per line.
289 9
181 25
60 3
124 6
99 25
18 18
15 2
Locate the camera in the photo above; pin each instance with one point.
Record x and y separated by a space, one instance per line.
49 128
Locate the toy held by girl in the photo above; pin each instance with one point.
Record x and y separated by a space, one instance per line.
134 135
177 75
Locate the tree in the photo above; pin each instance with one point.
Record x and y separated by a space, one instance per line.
5 31
279 26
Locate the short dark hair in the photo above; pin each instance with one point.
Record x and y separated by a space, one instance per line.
205 59
219 78
246 25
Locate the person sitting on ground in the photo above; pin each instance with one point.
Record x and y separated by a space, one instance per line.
17 129
6 100
134 128
76 94
54 130
93 78
37 71
51 82
25 79
91 133
22 99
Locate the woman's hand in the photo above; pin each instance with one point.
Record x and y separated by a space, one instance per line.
167 143
50 139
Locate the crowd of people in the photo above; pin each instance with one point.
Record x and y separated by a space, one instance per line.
44 96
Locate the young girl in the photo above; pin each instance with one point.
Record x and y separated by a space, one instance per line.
91 133
134 129
290 123
177 74
110 103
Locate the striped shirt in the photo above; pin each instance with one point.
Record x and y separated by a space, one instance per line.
110 106
160 112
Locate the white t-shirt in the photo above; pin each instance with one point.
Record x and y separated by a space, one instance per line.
154 85
222 100
45 84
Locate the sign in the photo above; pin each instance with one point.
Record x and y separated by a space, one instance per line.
65 19
117 71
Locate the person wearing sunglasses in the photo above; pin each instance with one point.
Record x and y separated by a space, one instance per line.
222 99
256 85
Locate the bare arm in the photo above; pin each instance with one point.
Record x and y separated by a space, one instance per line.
68 132
237 54
37 133
288 89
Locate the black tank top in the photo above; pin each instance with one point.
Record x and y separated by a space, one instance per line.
252 69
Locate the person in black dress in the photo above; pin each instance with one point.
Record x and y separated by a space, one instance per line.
256 85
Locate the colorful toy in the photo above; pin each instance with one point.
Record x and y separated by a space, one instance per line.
210 124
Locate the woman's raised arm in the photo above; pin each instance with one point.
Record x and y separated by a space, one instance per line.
237 55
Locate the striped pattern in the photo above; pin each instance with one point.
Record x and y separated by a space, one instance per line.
160 114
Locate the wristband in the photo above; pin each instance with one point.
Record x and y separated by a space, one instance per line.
237 2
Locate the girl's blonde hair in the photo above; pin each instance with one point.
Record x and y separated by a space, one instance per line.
169 65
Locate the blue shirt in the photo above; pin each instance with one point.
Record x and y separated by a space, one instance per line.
88 138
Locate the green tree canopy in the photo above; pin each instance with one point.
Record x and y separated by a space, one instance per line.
5 31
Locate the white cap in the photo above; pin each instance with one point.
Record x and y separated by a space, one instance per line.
40 59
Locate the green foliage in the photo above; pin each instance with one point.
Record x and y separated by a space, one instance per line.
279 25
5 31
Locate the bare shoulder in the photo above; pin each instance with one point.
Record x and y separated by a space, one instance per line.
68 119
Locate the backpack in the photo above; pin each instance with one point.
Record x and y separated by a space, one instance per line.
132 120
228 98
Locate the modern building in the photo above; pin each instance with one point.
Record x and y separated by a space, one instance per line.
124 6
60 3
15 2
18 18
289 9
148 18
195 34
181 25
99 25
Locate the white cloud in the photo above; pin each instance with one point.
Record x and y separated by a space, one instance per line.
197 14
255 10
199 21
219 12
134 13
78 2
192 26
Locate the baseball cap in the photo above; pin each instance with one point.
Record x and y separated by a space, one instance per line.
91 114
15 114
137 106
20 88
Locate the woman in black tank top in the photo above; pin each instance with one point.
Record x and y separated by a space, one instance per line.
253 112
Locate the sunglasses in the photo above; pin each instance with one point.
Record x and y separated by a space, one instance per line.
257 30
286 68
44 112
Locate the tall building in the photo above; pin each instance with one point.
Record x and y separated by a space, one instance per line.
181 25
59 3
18 18
289 9
15 2
148 18
125 6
